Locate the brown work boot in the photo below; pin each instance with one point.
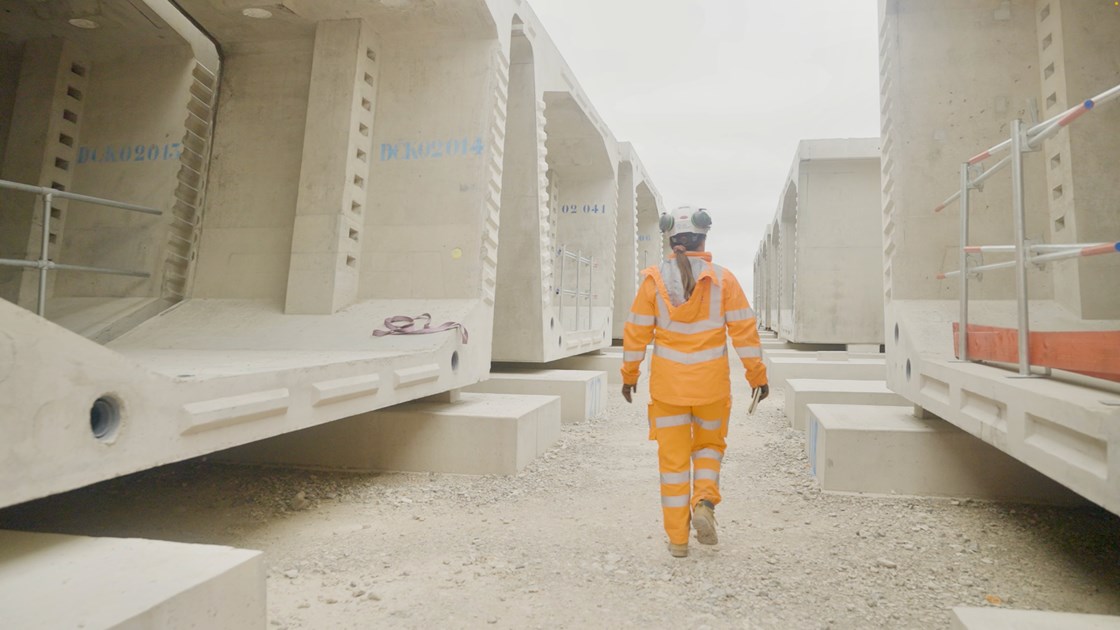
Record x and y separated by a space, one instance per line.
678 551
704 520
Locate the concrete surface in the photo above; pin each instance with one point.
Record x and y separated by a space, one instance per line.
1005 619
480 434
802 392
56 581
582 392
780 369
872 449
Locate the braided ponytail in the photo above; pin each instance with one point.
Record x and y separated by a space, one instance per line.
687 279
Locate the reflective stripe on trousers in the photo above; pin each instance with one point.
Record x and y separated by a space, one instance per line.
690 447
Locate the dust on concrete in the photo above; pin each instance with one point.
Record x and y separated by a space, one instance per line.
575 541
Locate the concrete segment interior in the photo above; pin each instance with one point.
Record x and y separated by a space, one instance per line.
122 111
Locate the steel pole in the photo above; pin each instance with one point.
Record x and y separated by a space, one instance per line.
579 272
1020 221
964 262
590 287
41 305
560 285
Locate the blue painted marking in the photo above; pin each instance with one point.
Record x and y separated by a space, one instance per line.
130 153
432 149
586 208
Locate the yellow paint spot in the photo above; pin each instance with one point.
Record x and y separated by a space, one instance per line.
456 253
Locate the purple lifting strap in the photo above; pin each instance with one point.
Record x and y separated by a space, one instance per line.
405 325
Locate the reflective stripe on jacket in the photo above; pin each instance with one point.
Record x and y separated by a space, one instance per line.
689 365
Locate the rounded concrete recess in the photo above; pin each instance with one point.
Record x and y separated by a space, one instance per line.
105 418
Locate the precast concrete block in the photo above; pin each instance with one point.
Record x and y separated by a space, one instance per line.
873 449
965 618
582 392
782 344
609 362
820 355
480 434
56 581
864 348
802 392
781 369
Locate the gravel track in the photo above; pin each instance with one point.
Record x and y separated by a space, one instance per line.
575 541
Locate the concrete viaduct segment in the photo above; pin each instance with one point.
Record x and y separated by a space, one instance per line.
1064 418
821 247
574 198
309 169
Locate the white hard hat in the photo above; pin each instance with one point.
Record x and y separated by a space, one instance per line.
686 220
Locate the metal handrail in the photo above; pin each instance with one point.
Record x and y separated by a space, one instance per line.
1035 136
1057 252
1022 140
44 264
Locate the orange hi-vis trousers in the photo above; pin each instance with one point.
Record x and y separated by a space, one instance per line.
691 442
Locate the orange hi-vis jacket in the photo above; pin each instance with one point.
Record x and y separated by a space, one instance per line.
689 364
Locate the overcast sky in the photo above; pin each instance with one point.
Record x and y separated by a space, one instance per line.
716 94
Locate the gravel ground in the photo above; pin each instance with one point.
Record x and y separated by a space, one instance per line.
575 541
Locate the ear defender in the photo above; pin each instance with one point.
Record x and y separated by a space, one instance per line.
666 222
701 219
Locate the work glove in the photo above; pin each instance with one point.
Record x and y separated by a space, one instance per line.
627 390
765 392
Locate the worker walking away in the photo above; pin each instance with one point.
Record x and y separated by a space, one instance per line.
687 306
